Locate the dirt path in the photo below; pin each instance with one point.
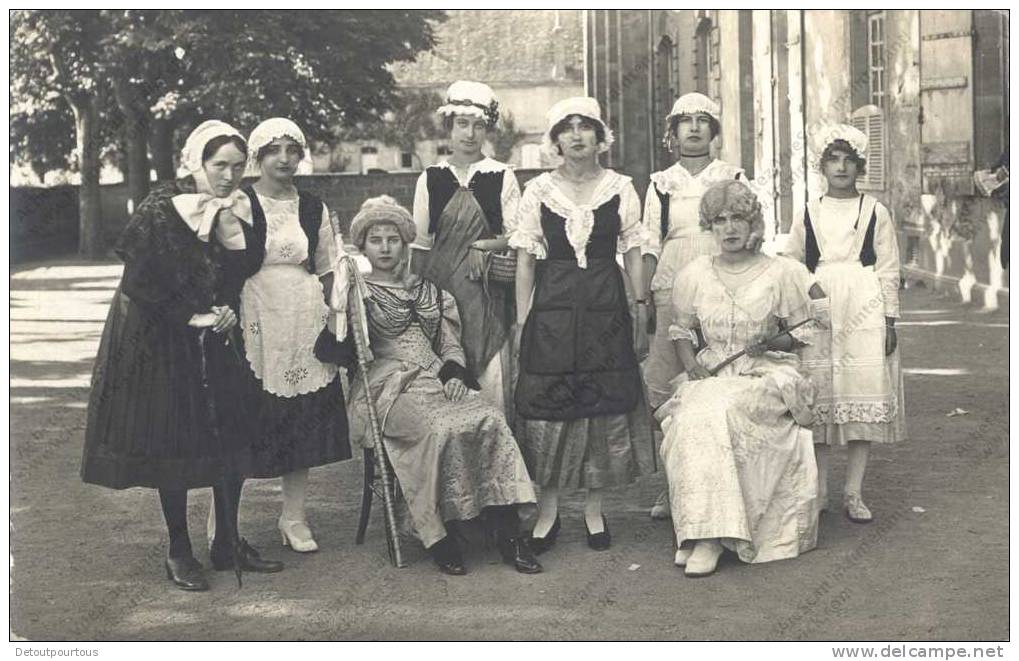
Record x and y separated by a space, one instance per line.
87 560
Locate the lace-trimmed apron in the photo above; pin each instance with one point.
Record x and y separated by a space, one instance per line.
284 311
485 315
858 372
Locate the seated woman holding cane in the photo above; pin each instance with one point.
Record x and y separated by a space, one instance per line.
453 453
737 451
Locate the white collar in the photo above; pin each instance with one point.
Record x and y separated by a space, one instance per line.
579 217
487 164
672 179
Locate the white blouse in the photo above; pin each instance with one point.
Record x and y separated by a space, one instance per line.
684 191
543 190
285 240
510 196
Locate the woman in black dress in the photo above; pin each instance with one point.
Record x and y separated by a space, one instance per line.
162 413
582 418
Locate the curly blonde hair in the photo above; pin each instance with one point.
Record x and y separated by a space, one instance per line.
736 198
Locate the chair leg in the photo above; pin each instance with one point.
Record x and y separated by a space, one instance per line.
366 496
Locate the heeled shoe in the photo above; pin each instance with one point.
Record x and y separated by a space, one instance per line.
516 551
251 561
599 541
539 545
447 556
297 535
855 509
186 574
661 510
704 559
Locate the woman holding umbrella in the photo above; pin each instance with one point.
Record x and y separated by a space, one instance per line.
165 351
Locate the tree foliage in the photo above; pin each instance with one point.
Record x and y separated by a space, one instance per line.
152 74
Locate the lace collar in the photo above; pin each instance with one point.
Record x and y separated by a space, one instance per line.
675 179
485 165
579 217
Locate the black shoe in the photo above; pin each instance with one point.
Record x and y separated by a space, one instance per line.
517 552
223 559
447 557
541 544
186 573
599 541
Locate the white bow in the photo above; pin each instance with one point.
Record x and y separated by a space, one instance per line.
199 210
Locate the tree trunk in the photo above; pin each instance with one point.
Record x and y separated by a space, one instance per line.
136 132
136 135
161 143
91 244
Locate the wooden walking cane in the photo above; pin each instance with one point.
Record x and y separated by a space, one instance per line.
718 368
357 326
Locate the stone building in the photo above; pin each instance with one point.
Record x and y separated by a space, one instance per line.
930 88
531 58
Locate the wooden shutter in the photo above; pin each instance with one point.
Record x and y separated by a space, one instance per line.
871 120
946 101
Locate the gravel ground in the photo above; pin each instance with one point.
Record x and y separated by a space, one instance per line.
87 561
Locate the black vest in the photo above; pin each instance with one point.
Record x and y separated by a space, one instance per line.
486 187
309 213
812 253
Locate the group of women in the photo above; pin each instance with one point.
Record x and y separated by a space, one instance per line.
507 333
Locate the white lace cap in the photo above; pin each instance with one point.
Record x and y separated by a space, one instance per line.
826 133
467 97
693 103
271 129
584 106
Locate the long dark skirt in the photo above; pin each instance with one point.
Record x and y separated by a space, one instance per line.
291 433
150 421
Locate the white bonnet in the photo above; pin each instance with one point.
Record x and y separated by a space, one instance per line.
826 133
584 106
693 103
271 129
191 154
466 97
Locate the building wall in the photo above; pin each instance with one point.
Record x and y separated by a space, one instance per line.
948 237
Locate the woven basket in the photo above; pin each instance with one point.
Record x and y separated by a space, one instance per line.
502 266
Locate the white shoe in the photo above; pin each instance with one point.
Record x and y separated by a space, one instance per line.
297 535
683 554
661 509
704 559
856 510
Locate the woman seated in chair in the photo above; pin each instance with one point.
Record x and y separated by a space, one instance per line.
737 453
453 453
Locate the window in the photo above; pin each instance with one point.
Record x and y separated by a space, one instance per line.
443 150
870 120
406 160
876 57
666 91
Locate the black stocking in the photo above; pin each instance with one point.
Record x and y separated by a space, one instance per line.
175 512
222 497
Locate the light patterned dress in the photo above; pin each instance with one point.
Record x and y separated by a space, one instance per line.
737 450
452 459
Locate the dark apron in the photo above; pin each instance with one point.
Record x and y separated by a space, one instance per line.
576 354
485 316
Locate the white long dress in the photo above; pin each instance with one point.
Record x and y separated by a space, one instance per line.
738 452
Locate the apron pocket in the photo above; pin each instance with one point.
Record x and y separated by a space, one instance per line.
548 346
605 341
